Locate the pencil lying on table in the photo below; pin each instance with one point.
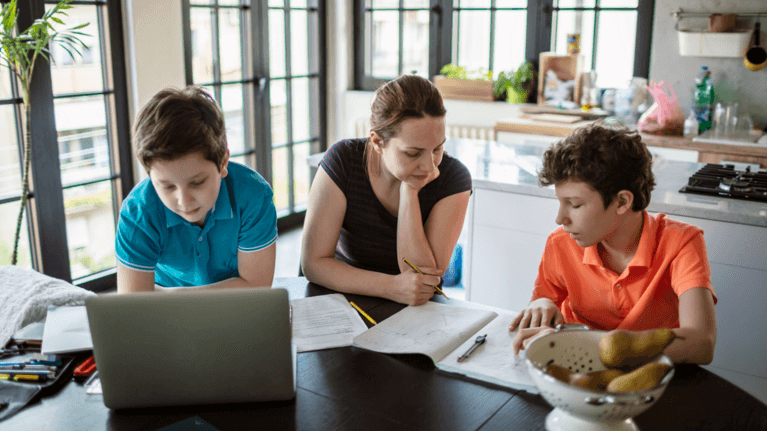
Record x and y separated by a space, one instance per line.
419 271
363 313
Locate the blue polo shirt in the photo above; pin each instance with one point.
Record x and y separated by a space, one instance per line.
150 237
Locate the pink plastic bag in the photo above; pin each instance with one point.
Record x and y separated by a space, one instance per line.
665 116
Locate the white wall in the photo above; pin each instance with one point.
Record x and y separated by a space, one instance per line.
732 81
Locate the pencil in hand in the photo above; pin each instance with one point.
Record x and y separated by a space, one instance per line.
419 271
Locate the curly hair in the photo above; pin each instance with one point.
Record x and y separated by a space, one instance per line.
177 122
608 158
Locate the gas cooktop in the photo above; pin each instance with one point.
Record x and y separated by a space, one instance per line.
725 181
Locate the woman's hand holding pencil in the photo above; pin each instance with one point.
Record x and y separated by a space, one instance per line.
433 285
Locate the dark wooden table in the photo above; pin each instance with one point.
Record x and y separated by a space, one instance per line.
354 389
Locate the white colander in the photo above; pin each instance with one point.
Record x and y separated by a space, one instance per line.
577 408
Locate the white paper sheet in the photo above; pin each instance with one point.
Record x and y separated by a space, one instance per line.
66 331
493 360
323 322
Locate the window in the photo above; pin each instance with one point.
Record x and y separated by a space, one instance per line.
264 62
499 35
79 183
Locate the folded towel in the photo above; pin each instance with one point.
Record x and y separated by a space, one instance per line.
26 294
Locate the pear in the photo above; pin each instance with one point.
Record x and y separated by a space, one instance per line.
558 372
626 350
595 380
645 377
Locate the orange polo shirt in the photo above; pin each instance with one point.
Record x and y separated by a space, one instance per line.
670 259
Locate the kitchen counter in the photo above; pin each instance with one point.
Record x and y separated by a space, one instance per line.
751 153
513 168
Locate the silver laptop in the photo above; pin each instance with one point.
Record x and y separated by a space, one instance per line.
193 347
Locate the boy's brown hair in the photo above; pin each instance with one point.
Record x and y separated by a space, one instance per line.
176 122
607 158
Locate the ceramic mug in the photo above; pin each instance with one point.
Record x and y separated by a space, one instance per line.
756 56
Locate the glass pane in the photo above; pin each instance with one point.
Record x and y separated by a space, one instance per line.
230 51
299 44
243 160
475 3
276 3
619 3
203 2
314 101
615 49
573 3
229 2
83 73
10 166
412 4
202 45
9 213
415 38
83 146
510 3
232 105
279 100
297 3
277 43
510 38
300 174
384 44
280 177
300 109
474 40
385 4
5 83
574 22
90 228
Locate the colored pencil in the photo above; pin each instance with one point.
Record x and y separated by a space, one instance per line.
365 315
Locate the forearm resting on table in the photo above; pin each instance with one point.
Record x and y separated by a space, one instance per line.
693 346
342 277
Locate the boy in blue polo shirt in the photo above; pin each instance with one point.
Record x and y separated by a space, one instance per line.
199 219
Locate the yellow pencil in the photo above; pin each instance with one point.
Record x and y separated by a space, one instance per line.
365 315
419 271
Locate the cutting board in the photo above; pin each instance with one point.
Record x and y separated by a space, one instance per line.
537 127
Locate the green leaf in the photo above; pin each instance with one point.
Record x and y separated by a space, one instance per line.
57 20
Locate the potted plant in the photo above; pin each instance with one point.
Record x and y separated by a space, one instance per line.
516 83
19 52
455 82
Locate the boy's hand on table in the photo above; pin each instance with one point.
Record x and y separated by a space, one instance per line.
525 336
413 288
541 312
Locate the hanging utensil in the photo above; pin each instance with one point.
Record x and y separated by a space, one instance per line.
756 56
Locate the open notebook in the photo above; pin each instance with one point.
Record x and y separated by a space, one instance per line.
445 332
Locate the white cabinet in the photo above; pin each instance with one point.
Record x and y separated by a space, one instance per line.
508 233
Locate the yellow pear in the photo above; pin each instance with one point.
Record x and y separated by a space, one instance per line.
645 377
595 380
558 372
626 350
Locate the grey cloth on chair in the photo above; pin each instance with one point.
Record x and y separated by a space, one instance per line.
26 294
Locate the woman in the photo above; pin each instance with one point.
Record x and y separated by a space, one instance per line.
392 196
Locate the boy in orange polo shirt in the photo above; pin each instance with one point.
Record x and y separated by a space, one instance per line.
612 265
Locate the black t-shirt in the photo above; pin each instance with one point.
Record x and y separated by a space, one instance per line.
368 237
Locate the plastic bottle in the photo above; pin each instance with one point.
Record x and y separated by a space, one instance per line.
691 125
703 99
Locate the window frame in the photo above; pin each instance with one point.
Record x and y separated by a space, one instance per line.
45 207
539 27
257 115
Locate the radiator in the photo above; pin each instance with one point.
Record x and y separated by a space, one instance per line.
362 129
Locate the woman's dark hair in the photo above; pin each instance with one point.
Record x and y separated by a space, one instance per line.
607 158
175 123
408 96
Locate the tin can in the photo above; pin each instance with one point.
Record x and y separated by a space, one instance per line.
573 43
